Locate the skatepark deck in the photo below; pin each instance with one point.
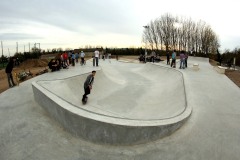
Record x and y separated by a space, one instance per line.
212 132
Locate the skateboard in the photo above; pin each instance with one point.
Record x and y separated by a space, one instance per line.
85 100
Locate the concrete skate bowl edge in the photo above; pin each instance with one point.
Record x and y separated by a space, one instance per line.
110 126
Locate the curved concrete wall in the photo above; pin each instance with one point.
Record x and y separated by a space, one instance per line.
101 127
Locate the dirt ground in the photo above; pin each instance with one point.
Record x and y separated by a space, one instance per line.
234 75
35 66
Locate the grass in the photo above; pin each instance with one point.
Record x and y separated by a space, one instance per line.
3 65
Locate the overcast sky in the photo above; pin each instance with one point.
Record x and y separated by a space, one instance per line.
108 23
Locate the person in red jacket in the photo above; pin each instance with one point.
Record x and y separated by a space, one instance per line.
65 58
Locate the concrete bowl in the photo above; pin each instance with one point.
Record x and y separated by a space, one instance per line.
129 104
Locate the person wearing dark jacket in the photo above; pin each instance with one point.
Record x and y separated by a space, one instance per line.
54 65
168 58
88 85
8 70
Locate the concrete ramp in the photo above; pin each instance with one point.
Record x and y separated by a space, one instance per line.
129 103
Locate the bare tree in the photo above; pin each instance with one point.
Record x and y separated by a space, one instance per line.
191 36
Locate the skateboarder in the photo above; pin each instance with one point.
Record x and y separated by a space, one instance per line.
88 86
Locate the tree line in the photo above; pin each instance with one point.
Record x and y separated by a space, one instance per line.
227 56
168 33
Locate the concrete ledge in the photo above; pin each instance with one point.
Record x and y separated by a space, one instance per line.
220 69
196 66
104 129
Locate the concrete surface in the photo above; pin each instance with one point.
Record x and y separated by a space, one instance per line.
129 104
126 91
212 132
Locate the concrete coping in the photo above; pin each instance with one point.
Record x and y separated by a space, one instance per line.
113 130
220 69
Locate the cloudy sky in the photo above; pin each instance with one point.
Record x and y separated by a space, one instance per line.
112 23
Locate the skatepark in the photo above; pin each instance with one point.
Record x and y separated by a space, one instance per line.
135 111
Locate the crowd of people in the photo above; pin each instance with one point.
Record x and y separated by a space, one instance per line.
156 58
64 60
183 59
151 58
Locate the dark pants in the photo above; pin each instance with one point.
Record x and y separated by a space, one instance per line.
54 68
82 60
168 61
96 59
86 92
173 63
10 80
73 62
65 62
152 59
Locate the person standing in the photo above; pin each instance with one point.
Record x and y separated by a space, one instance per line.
88 85
96 53
186 58
8 71
168 58
73 58
103 55
109 55
77 57
82 55
182 60
70 57
65 57
173 63
153 55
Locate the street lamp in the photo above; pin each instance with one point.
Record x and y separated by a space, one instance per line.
146 27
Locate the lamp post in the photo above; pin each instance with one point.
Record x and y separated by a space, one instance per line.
2 48
16 47
146 27
234 60
2 53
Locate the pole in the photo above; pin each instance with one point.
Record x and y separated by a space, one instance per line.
146 27
17 48
29 47
24 48
8 52
2 53
2 48
234 62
